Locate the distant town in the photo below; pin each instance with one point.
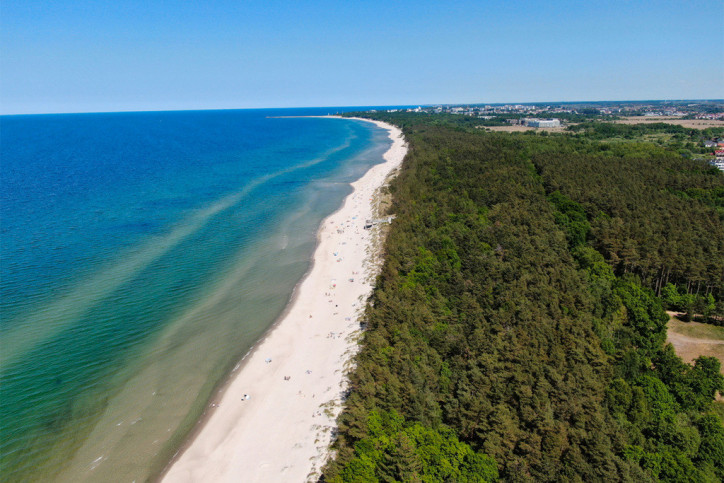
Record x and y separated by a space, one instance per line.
709 109
557 117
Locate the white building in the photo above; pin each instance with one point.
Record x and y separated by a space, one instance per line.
542 122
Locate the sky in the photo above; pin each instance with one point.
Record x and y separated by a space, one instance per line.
127 55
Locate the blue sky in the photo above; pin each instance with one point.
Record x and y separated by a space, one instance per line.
79 56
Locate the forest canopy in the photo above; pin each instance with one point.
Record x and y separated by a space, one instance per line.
517 330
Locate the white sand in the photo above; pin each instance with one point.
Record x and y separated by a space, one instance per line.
283 431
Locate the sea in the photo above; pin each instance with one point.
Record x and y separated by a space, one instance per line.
142 255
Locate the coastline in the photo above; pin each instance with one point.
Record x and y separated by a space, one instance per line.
296 375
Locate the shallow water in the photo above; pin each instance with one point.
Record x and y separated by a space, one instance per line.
142 256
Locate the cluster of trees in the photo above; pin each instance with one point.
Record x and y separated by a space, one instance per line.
661 405
650 211
685 141
606 130
703 307
504 340
394 450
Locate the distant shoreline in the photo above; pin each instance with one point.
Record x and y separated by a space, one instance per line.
284 429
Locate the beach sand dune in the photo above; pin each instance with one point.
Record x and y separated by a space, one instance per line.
275 419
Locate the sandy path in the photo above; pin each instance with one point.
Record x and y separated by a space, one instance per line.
295 377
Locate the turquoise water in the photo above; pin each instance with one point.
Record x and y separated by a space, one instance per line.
142 255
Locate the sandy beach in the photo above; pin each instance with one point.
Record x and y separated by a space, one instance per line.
274 420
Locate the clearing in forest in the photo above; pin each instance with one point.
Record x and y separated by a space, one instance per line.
692 339
687 123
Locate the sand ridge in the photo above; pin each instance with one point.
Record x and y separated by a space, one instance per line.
275 419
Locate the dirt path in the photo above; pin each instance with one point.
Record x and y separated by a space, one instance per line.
673 336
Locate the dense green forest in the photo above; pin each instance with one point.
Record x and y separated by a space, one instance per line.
517 329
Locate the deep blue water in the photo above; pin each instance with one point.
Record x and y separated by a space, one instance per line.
141 255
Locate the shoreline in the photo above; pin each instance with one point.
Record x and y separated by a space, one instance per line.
296 374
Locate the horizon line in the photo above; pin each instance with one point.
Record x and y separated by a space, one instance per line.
128 111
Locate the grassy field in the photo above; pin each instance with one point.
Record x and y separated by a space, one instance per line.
519 128
688 123
692 339
695 329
